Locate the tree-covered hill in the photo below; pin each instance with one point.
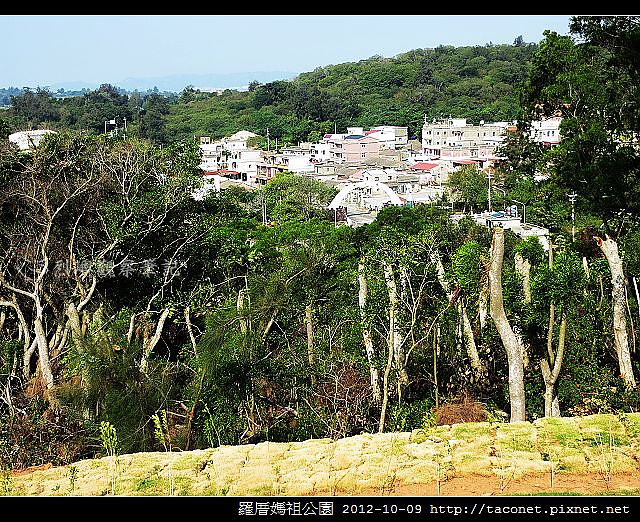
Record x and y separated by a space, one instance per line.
477 83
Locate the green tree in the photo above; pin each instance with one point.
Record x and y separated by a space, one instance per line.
589 84
34 108
469 186
152 119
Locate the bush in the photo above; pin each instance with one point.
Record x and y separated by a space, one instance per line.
461 409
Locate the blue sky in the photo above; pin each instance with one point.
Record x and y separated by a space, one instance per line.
48 50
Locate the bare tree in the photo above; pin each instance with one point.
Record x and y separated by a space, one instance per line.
72 212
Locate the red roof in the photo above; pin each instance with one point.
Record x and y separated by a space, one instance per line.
423 166
466 162
327 136
221 172
372 131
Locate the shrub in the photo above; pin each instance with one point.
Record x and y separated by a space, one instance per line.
461 409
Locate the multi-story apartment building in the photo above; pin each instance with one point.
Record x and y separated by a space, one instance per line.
353 146
320 152
271 163
459 143
456 133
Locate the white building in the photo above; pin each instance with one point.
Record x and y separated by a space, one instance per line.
216 154
245 161
455 133
320 151
26 140
453 142
390 136
238 141
546 131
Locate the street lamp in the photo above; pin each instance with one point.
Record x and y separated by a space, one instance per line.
524 210
572 198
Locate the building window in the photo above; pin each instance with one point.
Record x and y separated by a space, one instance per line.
364 154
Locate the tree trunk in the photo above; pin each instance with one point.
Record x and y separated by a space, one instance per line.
483 301
43 353
132 325
29 344
470 344
75 325
510 341
244 326
610 249
366 335
550 376
523 267
308 317
150 343
395 336
26 360
187 319
385 390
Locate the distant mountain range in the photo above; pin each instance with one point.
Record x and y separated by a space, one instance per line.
177 82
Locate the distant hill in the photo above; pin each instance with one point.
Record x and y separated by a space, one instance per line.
476 83
174 83
177 82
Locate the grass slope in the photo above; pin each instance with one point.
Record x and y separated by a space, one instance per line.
601 445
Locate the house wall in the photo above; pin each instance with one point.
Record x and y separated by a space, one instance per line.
362 149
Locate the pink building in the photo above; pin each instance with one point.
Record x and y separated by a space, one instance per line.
354 147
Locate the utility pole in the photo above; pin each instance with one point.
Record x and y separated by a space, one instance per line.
572 198
264 210
489 176
268 144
